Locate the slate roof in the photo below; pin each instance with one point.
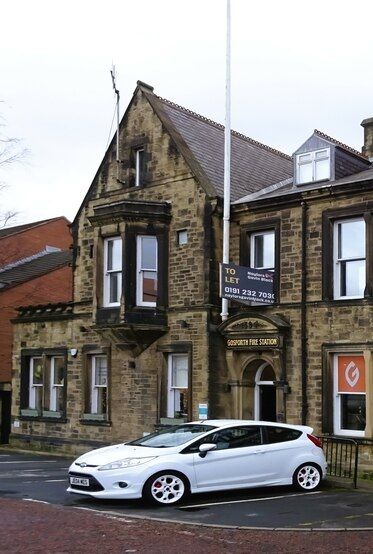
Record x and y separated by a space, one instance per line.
287 187
340 144
253 164
20 228
34 268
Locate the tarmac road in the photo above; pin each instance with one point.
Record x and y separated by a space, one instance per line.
32 477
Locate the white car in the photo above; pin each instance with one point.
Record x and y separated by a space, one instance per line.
202 456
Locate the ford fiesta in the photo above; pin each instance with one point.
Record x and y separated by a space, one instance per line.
202 456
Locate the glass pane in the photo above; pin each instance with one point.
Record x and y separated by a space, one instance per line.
101 371
264 250
58 370
351 236
180 372
114 287
353 411
305 173
59 399
37 371
258 250
180 402
114 254
101 400
322 169
305 158
354 278
322 154
149 253
38 398
149 286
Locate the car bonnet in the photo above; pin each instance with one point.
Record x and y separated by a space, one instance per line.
110 454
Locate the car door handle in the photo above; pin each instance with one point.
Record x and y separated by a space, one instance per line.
259 452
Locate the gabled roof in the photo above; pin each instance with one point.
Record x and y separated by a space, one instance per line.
253 164
34 268
7 231
201 143
340 144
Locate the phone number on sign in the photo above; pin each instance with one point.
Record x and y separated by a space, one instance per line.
249 293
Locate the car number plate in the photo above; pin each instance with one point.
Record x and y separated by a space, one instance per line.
79 481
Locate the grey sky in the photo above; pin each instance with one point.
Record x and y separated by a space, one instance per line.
296 66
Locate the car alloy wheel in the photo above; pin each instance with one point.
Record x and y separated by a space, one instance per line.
165 488
307 477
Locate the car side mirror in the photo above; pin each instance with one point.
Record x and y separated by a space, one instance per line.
206 447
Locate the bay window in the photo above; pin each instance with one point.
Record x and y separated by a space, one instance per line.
147 270
112 271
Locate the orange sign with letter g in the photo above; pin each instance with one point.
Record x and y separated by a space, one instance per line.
351 374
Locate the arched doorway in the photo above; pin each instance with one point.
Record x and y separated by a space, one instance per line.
258 391
265 393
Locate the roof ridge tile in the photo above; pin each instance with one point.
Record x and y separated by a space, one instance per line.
341 144
221 126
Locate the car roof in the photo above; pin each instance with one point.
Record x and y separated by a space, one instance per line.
233 422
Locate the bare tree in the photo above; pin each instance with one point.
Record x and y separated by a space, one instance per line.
11 151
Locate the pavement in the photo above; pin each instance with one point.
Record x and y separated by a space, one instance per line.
38 515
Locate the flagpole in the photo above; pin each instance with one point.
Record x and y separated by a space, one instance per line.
227 156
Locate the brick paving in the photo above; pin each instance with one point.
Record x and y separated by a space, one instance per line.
35 527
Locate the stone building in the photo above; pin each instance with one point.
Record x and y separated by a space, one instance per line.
142 344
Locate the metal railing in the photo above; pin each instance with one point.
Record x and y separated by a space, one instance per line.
342 456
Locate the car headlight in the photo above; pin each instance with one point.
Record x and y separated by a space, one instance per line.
126 462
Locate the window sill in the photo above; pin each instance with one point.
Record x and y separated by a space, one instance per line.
172 420
95 419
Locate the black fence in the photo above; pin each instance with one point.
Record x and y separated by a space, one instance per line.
342 456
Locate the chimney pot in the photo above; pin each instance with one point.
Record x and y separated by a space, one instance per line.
367 149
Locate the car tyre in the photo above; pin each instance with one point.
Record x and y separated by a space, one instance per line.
165 488
307 477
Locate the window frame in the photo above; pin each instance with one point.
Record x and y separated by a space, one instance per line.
53 385
139 166
337 400
27 405
170 405
253 248
108 272
312 162
329 217
257 227
33 386
141 270
339 262
94 393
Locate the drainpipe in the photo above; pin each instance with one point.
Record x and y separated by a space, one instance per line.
304 314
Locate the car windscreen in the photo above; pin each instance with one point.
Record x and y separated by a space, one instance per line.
173 436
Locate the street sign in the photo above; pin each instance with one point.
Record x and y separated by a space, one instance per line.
246 284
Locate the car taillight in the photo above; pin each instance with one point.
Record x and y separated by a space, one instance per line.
315 440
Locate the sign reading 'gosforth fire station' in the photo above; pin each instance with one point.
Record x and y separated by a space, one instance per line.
254 342
246 284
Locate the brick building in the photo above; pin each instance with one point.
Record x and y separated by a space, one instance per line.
34 269
143 344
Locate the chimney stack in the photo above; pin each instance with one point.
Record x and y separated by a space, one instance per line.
367 149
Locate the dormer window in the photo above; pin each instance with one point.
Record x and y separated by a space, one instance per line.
313 166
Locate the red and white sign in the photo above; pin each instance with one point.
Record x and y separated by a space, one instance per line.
351 373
